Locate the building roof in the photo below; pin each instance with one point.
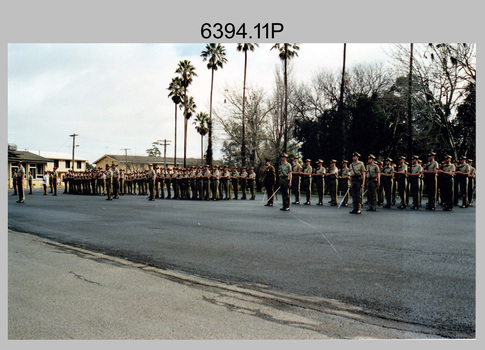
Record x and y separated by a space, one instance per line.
57 155
146 159
26 156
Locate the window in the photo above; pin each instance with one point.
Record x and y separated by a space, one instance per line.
33 170
68 164
56 163
40 171
78 164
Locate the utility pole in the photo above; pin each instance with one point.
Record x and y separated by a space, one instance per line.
341 104
164 143
126 156
73 148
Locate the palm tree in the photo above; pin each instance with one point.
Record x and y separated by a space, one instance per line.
215 55
187 74
244 48
189 109
201 125
287 52
175 88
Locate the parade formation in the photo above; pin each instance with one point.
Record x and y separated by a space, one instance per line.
381 182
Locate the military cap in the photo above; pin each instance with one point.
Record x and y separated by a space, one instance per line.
356 154
296 157
108 166
415 157
243 167
235 167
333 161
308 160
319 161
371 156
469 160
447 157
284 155
252 168
226 166
345 161
431 154
402 157
389 159
462 157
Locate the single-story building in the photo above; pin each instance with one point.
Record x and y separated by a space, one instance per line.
31 162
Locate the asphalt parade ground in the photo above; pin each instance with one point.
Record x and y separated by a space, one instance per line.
313 272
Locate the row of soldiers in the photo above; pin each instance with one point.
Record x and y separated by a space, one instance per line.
177 183
443 183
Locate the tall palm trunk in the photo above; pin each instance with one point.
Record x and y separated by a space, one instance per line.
209 147
175 143
185 128
243 144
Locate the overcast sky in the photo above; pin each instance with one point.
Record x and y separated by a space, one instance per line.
114 96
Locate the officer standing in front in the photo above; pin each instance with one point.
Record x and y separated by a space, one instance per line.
357 182
331 182
430 180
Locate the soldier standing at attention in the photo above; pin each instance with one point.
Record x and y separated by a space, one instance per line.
215 183
269 180
205 182
116 181
122 182
386 181
331 182
461 174
446 174
285 181
319 180
373 182
243 182
152 178
193 182
344 182
20 182
357 182
400 176
414 178
30 179
50 182
54 181
225 182
109 182
306 181
430 181
295 179
252 183
14 178
235 182
471 181
200 188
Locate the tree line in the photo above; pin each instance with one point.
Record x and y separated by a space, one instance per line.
424 100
